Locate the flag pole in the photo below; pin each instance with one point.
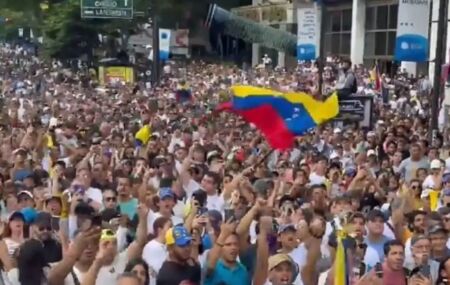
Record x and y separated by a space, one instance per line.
261 161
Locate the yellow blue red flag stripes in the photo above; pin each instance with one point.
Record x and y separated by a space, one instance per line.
341 266
281 116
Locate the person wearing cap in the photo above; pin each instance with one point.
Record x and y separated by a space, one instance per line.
13 233
179 267
166 203
434 179
375 228
282 269
278 269
42 230
421 251
438 238
287 236
372 162
108 263
417 160
25 199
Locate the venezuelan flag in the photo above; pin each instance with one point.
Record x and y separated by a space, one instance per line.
280 116
183 93
143 135
341 266
376 78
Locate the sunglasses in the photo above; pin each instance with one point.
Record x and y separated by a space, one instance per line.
362 246
111 199
43 228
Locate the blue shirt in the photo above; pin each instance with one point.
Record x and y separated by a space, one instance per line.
378 246
223 275
129 208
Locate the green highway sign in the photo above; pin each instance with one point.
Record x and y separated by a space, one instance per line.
122 9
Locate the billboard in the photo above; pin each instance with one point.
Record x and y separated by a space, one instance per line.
308 34
113 75
411 43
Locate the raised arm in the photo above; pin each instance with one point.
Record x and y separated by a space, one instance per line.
262 251
136 247
226 230
59 272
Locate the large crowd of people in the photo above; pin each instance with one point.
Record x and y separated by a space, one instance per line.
132 185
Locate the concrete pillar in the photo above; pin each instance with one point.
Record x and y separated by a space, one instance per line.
358 31
256 55
410 67
433 38
282 55
256 58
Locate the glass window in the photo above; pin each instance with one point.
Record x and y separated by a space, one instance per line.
335 43
328 43
391 43
335 21
393 13
382 17
380 43
370 18
369 44
347 20
345 43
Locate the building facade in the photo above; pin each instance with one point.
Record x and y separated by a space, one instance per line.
363 30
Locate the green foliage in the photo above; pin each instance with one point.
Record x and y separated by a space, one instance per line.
66 35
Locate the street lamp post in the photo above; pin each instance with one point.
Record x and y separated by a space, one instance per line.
155 45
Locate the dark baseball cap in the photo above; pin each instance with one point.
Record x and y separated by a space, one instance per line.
437 229
43 219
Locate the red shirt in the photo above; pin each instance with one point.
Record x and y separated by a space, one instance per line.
391 277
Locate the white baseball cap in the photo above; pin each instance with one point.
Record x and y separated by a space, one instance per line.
435 164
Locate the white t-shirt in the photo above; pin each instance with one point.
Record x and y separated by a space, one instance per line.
152 216
428 183
95 195
178 209
215 202
299 256
13 276
155 253
106 275
191 187
315 179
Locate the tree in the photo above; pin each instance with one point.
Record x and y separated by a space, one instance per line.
67 35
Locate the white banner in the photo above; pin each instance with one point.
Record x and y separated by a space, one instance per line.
308 35
412 30
164 44
20 30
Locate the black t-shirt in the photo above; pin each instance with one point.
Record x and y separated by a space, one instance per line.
53 251
172 273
